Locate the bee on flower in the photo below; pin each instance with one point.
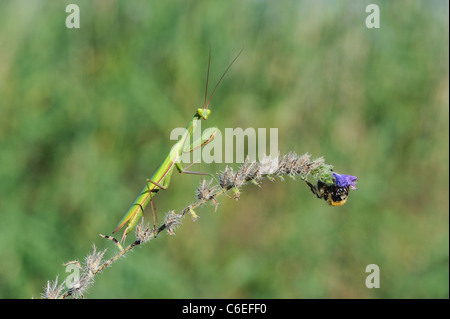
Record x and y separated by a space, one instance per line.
335 194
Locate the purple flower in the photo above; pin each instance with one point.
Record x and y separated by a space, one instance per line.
345 180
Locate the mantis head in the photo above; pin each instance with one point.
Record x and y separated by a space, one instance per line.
204 113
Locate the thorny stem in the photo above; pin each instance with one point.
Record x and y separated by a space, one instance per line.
290 164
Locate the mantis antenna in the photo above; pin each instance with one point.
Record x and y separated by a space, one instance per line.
209 101
207 76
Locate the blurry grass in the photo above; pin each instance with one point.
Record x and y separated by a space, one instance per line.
85 117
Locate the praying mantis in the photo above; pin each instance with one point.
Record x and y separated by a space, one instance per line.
161 178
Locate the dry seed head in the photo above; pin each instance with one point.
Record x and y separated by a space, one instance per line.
249 171
205 192
292 164
52 290
240 177
305 166
268 165
172 221
287 164
144 233
94 260
80 286
226 178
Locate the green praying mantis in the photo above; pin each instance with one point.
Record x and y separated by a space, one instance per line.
161 178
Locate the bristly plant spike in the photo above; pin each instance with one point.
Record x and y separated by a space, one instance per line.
291 165
52 290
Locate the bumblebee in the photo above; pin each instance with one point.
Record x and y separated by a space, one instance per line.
334 194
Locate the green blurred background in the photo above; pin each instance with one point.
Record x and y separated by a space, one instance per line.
85 118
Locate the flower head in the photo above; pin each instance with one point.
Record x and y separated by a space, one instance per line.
345 180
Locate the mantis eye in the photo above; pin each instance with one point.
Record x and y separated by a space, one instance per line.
204 113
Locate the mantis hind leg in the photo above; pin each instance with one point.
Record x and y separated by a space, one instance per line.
155 216
184 171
